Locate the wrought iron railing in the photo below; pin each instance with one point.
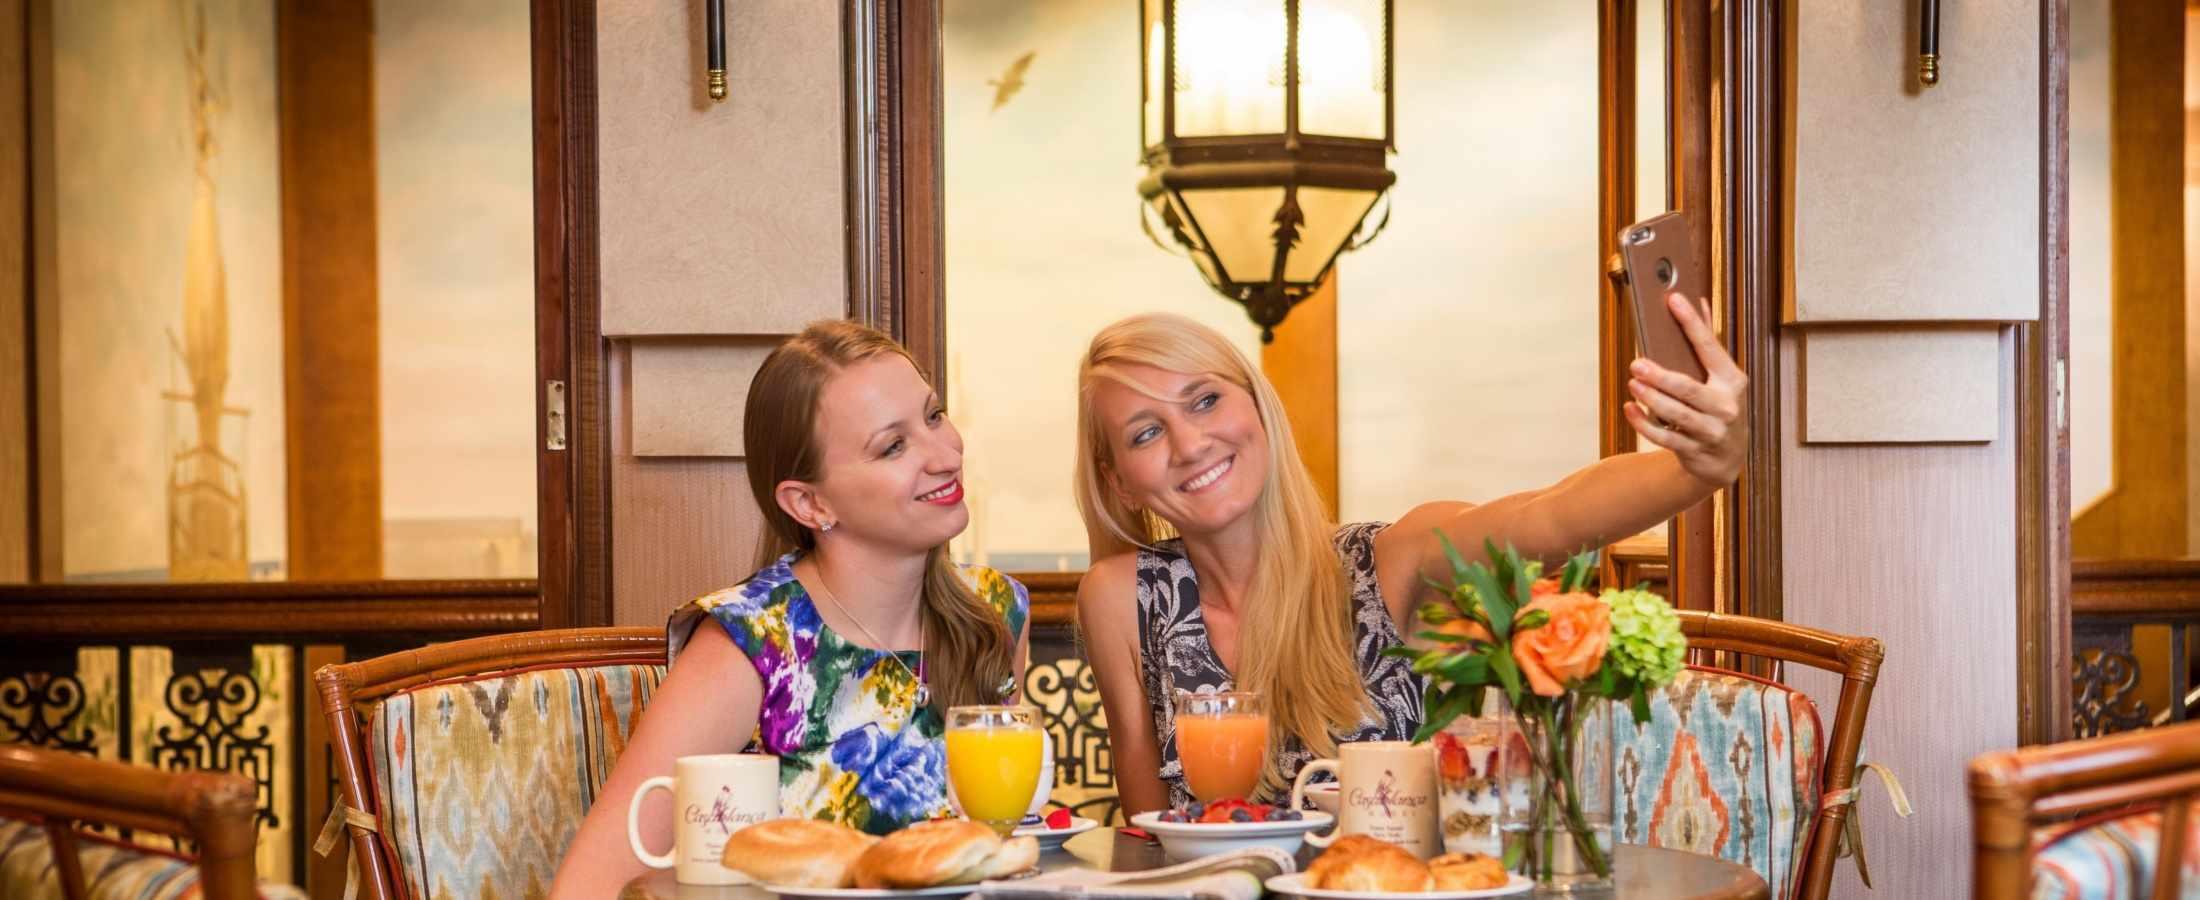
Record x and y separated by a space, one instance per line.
2110 604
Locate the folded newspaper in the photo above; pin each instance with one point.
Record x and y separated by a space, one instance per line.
1238 875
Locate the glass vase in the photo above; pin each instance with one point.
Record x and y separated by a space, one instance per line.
1557 816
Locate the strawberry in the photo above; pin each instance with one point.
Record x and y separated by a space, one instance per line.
1058 819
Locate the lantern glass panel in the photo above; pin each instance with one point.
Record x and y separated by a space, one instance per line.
1342 68
1229 67
1332 214
1240 226
1154 50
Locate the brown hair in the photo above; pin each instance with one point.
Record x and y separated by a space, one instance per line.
963 635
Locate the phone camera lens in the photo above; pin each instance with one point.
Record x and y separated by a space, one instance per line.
1665 272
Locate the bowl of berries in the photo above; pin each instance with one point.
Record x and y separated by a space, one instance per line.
1206 829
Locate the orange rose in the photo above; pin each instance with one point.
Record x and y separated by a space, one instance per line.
1543 587
1570 646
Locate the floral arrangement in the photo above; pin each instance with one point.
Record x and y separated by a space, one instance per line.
1558 655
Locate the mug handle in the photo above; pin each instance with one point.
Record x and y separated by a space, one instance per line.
634 824
1298 800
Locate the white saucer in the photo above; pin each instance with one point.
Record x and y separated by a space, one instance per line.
1053 838
1294 884
1193 840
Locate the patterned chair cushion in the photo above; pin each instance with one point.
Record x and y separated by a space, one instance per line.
482 781
112 870
2112 859
1727 766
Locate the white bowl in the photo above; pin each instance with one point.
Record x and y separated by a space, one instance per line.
1193 840
1324 796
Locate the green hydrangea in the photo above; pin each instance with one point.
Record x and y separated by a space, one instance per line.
1646 637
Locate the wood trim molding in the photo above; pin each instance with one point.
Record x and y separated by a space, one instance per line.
573 484
1615 210
896 257
2044 570
1694 537
1753 144
171 612
1301 364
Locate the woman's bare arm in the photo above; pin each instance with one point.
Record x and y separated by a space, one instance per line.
1107 611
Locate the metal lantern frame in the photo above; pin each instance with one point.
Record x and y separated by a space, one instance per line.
1290 160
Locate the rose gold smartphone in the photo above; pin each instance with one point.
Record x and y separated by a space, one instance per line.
1655 254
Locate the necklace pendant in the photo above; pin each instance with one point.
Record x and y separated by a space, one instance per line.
924 695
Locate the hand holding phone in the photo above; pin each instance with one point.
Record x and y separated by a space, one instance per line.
1657 258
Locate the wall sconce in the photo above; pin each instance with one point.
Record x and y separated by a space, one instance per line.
1266 128
714 47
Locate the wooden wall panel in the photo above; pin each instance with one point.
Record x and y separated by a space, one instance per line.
1913 545
331 357
15 505
1302 364
682 527
45 301
2143 515
691 394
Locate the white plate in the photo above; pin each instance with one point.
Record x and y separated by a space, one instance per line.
1193 840
1053 838
948 890
1294 884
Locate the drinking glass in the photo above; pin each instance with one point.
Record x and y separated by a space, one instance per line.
1222 741
994 757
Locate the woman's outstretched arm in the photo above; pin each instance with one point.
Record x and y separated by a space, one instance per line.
1107 613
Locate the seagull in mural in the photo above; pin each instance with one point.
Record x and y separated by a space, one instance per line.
1010 81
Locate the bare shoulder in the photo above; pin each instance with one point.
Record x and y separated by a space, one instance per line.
1107 601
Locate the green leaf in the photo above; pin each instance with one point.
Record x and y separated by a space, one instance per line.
1447 707
1474 701
1465 669
1458 563
1523 581
1534 618
1436 613
1402 652
1579 569
1639 704
1508 673
1441 637
1514 849
1495 603
1435 585
1604 681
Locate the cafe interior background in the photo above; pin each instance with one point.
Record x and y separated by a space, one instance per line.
332 329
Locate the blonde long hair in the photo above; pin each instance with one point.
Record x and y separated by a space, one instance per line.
963 634
1295 638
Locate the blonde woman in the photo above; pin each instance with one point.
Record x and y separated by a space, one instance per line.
1215 564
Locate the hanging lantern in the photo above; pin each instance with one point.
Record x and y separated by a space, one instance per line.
1266 130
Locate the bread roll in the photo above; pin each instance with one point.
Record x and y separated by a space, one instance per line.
797 852
1370 865
926 854
1467 872
1016 855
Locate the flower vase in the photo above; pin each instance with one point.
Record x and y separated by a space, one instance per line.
1557 819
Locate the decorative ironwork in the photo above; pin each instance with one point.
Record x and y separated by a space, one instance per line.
1067 695
45 709
213 705
2106 683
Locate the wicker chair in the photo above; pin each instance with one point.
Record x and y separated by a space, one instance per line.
467 766
217 811
1824 776
2115 798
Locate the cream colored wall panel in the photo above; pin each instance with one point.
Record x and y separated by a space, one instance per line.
681 527
1912 545
1901 384
721 218
1915 204
689 395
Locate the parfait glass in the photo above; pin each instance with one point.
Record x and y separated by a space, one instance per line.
1222 741
994 758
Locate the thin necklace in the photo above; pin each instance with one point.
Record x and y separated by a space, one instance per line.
924 693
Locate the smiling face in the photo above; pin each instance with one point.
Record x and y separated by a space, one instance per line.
890 464
1197 459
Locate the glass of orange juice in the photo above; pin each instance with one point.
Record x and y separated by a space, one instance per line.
994 756
1222 740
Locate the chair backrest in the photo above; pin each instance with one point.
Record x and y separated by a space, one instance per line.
217 811
2153 774
1067 695
469 765
1777 709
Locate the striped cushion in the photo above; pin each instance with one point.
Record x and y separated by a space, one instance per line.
112 870
481 782
2110 859
1727 766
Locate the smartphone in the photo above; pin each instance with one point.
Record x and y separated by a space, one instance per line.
1656 255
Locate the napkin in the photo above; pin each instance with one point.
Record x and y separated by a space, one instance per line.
1239 875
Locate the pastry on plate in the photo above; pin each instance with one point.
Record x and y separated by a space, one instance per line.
944 851
1467 872
1361 863
797 852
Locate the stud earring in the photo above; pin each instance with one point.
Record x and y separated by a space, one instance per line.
825 528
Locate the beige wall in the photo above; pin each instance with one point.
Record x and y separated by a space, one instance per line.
717 219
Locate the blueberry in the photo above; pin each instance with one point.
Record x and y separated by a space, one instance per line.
1196 810
1285 815
1241 814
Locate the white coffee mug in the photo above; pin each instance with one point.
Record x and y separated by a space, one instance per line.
712 797
1387 790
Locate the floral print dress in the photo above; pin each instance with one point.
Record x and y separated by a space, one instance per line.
853 745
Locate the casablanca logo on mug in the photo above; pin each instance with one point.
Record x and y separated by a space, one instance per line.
1387 790
713 796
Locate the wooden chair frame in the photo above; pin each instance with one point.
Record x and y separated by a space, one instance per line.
349 690
1856 660
217 810
2014 792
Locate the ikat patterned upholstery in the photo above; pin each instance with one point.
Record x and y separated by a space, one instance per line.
113 870
2110 859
